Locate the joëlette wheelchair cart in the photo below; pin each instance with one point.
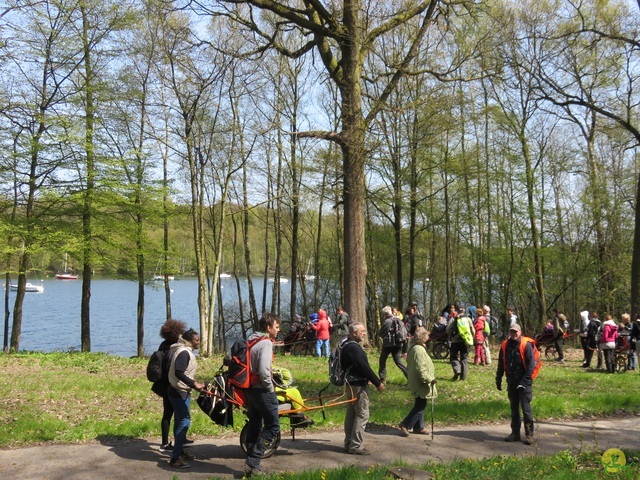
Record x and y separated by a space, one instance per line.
218 400
547 341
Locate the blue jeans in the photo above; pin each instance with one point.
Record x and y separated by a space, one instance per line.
181 421
264 423
415 418
320 344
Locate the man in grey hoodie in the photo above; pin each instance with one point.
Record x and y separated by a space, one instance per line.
262 402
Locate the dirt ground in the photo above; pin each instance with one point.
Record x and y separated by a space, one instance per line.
223 457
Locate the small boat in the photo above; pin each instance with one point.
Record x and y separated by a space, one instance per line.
66 276
160 278
281 280
225 275
29 287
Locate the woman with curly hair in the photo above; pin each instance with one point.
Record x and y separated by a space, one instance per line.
170 332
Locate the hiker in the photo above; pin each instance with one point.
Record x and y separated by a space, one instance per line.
261 399
460 331
354 360
479 337
323 334
415 318
518 365
392 342
584 325
635 338
608 342
422 381
182 373
487 345
558 332
594 331
625 329
342 324
170 332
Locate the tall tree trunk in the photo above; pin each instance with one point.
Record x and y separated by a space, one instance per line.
535 233
89 193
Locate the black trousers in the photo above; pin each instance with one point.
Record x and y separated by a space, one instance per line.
520 400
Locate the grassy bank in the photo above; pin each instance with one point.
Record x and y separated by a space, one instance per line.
75 397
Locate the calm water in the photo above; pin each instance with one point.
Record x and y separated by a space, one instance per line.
51 320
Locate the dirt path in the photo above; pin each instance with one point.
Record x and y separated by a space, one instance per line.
223 457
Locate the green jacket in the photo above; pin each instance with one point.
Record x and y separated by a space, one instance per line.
421 372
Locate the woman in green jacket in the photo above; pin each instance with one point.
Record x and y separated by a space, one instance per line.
422 383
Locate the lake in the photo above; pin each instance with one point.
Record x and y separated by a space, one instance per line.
51 320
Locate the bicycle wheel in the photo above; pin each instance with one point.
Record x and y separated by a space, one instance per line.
270 450
441 351
621 363
550 352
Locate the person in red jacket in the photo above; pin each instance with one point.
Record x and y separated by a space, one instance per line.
322 333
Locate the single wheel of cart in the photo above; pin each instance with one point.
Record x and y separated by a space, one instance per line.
551 353
621 363
270 450
441 350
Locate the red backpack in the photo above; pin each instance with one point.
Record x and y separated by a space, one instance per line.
523 345
240 363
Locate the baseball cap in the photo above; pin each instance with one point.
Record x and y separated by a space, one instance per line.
515 327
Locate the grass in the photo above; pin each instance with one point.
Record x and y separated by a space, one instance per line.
563 465
77 397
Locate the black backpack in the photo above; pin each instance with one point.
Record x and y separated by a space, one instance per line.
155 366
337 374
213 401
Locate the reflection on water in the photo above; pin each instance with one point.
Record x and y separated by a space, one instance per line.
51 320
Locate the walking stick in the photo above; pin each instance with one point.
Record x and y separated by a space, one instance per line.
433 399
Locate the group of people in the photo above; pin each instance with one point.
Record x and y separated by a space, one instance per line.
515 362
604 337
179 379
467 329
321 323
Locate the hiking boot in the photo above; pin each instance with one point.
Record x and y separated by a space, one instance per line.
456 375
528 440
403 430
186 457
179 463
360 451
250 471
514 437
167 447
188 441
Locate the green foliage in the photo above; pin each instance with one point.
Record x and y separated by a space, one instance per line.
564 465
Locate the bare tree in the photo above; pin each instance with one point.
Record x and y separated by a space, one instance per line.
342 34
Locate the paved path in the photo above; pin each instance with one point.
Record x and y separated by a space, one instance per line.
222 457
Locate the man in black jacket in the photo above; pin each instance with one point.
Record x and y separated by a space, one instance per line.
517 361
359 373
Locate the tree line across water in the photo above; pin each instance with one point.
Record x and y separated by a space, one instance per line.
486 154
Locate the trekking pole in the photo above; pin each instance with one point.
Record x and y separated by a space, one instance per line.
433 399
